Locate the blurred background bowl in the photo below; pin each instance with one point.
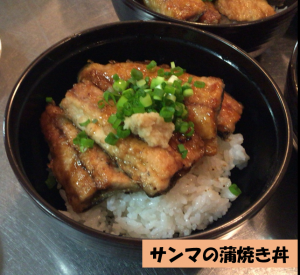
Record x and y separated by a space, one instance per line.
291 91
253 37
265 124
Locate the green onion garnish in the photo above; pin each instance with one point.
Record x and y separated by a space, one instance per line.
123 133
136 74
146 101
199 84
182 151
101 104
49 99
178 71
111 139
188 92
235 190
50 181
85 123
120 85
151 65
116 77
83 141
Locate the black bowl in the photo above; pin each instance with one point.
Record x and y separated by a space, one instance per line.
291 91
265 124
253 37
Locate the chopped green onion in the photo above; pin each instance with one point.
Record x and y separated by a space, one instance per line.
111 139
123 133
167 113
235 190
95 120
184 127
136 74
161 72
141 83
86 143
49 99
138 110
120 85
128 93
117 123
178 71
172 79
190 80
151 65
169 89
158 94
112 119
184 113
182 151
179 107
85 123
101 104
188 92
51 181
146 101
116 77
108 95
83 141
171 97
199 84
157 81
122 101
173 65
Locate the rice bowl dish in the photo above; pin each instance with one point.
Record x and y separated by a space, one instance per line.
264 124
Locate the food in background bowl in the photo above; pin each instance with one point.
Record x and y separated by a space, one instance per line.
211 11
252 36
130 127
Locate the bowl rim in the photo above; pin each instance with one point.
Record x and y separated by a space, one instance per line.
137 242
160 16
293 66
293 93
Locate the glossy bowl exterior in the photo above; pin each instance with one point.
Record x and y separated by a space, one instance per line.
266 122
253 37
291 91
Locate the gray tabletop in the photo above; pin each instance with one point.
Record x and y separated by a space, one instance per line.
27 244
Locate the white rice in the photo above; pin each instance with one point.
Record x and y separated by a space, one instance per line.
198 199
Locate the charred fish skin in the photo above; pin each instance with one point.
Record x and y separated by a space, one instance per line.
65 164
97 177
151 167
189 10
229 115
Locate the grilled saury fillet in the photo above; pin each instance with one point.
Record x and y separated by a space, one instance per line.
152 167
189 10
87 177
244 10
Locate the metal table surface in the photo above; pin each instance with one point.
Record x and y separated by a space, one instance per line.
27 245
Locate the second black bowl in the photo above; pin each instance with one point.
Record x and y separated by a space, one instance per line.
253 37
